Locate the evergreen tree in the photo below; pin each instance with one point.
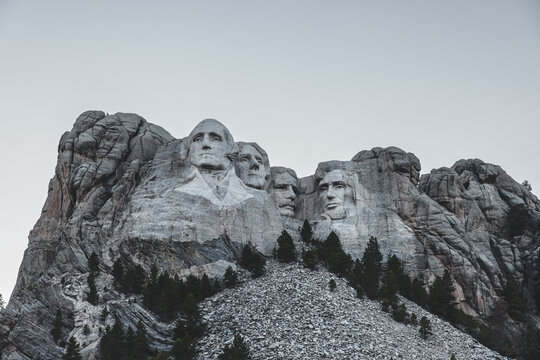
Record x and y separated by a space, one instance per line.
104 314
129 343
532 338
93 262
230 277
453 357
112 342
441 297
332 255
389 287
192 313
419 293
57 326
252 261
399 312
184 348
309 259
306 232
425 327
207 289
536 291
371 263
92 295
72 351
513 299
238 351
286 252
118 273
134 280
141 349
332 285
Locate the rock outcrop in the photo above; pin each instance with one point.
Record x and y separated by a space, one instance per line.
126 189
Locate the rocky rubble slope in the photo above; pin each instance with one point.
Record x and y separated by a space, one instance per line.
290 313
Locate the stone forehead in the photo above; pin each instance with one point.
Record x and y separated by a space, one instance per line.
284 178
334 175
209 125
277 170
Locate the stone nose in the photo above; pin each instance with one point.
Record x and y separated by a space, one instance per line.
290 193
253 164
206 142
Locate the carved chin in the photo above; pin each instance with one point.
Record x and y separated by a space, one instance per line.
254 182
286 211
336 214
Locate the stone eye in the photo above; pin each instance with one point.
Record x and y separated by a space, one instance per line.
216 138
197 138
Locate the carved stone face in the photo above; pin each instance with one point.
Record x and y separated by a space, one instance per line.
283 192
332 191
210 142
250 167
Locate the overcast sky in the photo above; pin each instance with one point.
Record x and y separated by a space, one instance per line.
309 81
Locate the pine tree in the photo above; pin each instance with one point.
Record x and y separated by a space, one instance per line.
389 287
371 263
93 262
286 252
207 289
332 255
309 259
252 261
184 348
57 326
141 349
192 312
453 357
238 351
306 232
230 277
419 293
92 295
118 273
399 312
425 327
332 285
536 289
72 350
441 297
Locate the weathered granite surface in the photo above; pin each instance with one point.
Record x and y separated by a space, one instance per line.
125 188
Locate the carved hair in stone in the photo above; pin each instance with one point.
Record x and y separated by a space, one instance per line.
336 198
252 165
283 189
211 146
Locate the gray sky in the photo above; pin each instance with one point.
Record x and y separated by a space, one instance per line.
309 81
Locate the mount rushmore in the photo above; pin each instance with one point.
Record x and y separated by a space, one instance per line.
126 189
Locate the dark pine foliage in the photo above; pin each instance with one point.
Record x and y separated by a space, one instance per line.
238 351
419 293
56 330
93 262
92 295
536 288
252 261
332 255
286 252
441 297
117 344
389 287
372 266
230 277
309 258
118 273
425 327
306 232
72 350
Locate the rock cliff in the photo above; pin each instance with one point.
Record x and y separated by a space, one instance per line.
125 188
